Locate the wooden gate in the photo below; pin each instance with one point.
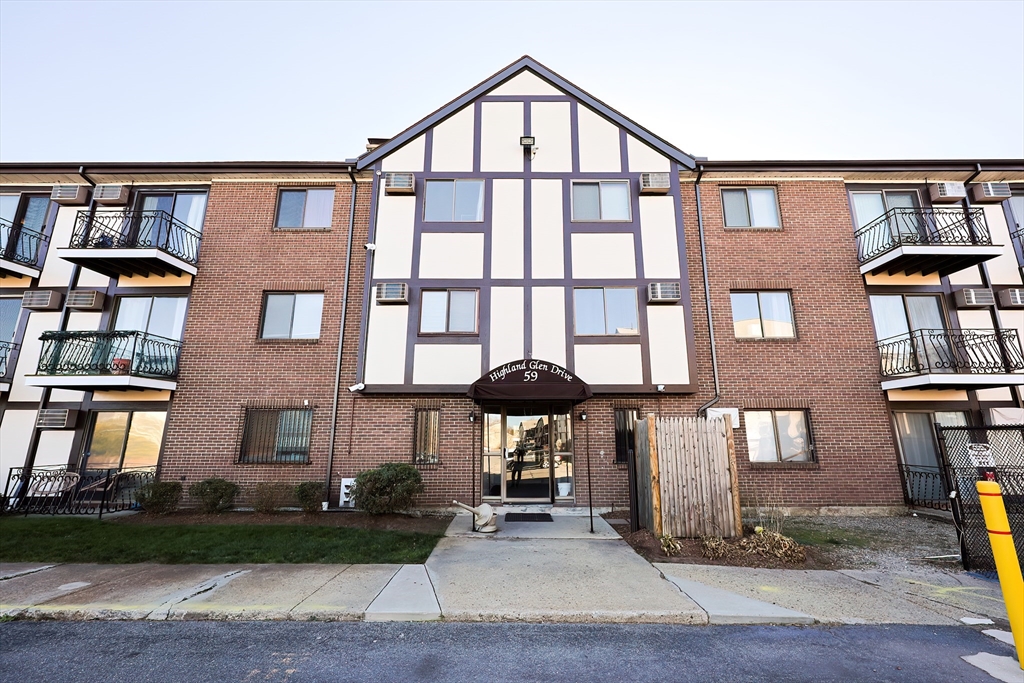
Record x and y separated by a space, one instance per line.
685 471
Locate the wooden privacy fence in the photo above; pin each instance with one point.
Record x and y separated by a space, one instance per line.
685 475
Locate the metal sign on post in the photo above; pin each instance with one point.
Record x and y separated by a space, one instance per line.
981 454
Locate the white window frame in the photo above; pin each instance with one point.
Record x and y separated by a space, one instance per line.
448 311
760 314
809 447
750 213
582 181
483 198
291 323
605 311
305 191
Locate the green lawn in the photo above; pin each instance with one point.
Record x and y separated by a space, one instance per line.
85 540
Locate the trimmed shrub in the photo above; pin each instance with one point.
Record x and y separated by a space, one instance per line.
389 488
214 494
310 495
159 497
268 498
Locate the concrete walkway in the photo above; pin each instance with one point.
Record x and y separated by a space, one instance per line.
537 572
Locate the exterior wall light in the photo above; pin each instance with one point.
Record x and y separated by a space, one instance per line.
583 415
529 144
472 417
661 387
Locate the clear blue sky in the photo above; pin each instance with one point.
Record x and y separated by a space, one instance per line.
206 81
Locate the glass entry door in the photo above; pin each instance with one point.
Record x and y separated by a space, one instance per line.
527 454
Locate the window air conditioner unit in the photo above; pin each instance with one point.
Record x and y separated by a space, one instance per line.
41 300
399 183
974 298
392 293
1011 298
990 192
654 183
56 418
663 292
947 193
86 299
111 195
71 195
346 492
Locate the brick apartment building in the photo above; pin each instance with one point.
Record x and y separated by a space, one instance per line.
494 294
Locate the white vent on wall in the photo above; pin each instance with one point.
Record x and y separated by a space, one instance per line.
654 183
399 183
56 418
947 193
346 492
41 300
990 192
392 293
86 299
1011 298
667 292
975 298
69 194
111 195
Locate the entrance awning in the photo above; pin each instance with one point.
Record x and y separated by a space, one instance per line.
530 379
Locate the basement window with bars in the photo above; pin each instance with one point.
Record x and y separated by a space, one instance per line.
427 437
276 435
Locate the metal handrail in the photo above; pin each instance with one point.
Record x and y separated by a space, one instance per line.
137 230
944 351
7 349
922 227
117 352
20 244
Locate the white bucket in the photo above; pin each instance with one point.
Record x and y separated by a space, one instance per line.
564 488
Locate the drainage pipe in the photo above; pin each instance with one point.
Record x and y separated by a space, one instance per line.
707 296
341 341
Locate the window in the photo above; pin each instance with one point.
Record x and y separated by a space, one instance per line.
762 315
124 440
427 438
778 435
292 315
1017 209
186 207
601 201
625 420
448 311
305 208
273 435
22 221
750 207
606 310
163 316
454 201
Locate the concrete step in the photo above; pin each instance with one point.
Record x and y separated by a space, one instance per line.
409 596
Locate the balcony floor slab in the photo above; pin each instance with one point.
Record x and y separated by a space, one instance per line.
17 269
137 261
920 254
105 382
954 381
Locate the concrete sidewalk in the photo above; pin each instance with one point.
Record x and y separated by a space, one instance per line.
541 572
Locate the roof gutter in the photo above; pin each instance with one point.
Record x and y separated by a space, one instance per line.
702 411
341 341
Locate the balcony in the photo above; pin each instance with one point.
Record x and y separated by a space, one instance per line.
19 250
7 351
925 241
962 359
133 243
106 360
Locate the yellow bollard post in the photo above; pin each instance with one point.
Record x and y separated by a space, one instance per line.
1007 563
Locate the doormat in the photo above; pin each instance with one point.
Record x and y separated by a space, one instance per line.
528 517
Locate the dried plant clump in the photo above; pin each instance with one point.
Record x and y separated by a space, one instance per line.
670 546
773 544
714 547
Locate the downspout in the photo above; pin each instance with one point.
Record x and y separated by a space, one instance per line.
341 341
44 396
707 296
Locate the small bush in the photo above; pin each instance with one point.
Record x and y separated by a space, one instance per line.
389 488
214 494
159 497
268 498
310 495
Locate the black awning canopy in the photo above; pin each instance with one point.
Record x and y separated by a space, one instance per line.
530 379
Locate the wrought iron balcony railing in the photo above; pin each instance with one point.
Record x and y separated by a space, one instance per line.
7 350
925 487
942 351
60 490
137 230
138 354
20 244
922 227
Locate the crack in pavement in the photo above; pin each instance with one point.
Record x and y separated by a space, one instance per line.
26 572
161 613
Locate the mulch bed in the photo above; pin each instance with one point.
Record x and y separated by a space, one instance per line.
647 545
354 520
